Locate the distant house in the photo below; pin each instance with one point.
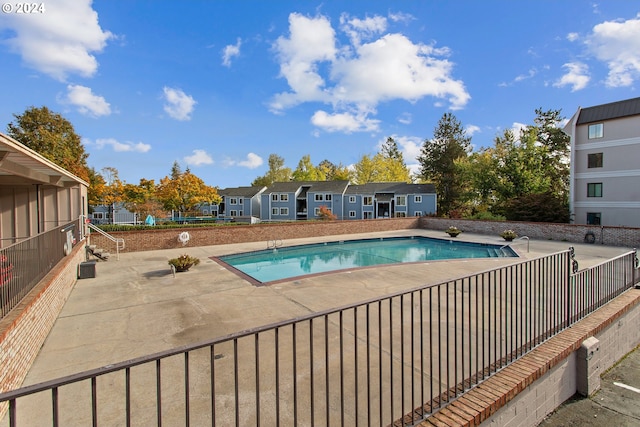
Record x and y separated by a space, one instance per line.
289 201
113 214
389 200
605 168
240 202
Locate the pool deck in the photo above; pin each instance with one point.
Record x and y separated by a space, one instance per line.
135 306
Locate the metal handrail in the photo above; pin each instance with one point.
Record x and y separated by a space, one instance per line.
515 240
390 360
119 241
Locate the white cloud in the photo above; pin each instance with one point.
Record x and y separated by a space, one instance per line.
357 29
405 118
87 103
61 41
229 52
253 161
577 76
357 77
199 158
472 130
178 104
118 146
311 41
572 37
343 122
617 43
532 72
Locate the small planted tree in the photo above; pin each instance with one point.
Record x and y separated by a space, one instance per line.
325 214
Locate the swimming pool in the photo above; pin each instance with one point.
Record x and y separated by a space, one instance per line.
289 262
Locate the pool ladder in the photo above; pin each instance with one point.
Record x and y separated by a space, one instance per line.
515 240
275 243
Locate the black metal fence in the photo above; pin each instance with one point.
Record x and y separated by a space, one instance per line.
24 264
390 360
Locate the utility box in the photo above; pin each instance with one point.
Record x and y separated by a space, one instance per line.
87 270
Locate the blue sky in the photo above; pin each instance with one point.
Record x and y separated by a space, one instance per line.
220 85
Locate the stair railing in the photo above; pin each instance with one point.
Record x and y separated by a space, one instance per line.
119 241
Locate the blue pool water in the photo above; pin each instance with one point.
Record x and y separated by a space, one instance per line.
288 262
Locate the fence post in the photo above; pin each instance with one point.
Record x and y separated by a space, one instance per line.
634 268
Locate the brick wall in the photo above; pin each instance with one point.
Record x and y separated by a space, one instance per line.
610 236
146 240
24 329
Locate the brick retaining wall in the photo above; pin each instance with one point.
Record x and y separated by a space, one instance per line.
610 236
25 328
146 240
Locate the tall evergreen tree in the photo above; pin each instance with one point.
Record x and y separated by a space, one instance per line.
438 161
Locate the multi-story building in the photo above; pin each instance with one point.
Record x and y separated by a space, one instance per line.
389 200
605 164
287 201
300 200
239 202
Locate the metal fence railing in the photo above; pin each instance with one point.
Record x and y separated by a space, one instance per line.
24 264
389 360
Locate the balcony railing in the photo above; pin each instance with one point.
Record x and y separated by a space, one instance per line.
24 264
389 360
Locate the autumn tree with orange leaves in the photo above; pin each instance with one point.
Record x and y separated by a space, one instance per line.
184 191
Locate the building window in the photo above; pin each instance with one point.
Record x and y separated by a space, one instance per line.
327 197
594 218
401 201
594 160
284 211
275 211
319 197
240 201
417 213
594 189
316 212
284 197
97 215
352 199
274 197
233 201
233 213
418 199
367 200
401 214
352 214
596 131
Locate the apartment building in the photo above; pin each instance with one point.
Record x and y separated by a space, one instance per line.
605 164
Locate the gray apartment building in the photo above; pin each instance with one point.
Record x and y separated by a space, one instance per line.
605 164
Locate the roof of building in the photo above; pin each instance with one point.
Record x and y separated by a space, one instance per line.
20 164
313 186
613 110
241 191
391 187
